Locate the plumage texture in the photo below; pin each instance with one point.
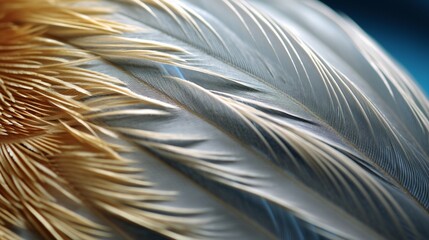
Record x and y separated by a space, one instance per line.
195 119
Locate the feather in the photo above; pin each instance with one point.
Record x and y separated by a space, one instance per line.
165 119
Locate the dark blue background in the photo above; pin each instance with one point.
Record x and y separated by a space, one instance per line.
400 26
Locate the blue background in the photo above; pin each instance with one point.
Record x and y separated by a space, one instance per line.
400 26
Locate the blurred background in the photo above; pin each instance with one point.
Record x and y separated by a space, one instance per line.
399 26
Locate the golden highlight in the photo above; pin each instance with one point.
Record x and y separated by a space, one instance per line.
53 152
